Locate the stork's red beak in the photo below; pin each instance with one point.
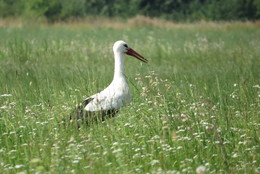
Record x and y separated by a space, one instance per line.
132 52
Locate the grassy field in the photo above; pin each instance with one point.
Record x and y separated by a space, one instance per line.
195 106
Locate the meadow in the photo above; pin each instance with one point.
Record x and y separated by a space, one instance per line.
195 105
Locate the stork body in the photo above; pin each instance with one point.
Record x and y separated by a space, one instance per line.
109 101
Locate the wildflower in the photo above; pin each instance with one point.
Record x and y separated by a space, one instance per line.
12 103
117 150
179 147
115 144
6 95
108 164
75 161
200 169
35 160
12 151
3 107
137 149
235 155
153 162
18 166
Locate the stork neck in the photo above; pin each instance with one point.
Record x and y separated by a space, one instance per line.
119 66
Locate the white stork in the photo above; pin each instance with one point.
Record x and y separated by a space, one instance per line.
109 101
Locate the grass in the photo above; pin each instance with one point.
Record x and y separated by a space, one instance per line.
195 106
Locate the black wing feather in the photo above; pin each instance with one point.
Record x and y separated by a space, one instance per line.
81 116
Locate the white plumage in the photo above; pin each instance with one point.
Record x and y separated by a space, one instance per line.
114 96
117 94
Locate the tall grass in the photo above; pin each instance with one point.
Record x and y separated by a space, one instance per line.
195 106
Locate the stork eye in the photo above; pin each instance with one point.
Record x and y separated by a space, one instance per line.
125 45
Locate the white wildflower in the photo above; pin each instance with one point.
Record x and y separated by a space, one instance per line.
18 166
3 107
75 161
235 155
117 150
35 160
115 144
6 95
200 169
179 147
153 162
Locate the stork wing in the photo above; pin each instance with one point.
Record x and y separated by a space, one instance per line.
78 112
87 101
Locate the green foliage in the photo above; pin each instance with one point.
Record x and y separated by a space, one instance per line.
178 10
257 6
195 104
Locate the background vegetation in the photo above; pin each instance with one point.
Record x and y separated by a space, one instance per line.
177 10
195 105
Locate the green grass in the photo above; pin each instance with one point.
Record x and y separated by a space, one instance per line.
195 104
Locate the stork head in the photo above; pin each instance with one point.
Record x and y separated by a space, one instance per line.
122 47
